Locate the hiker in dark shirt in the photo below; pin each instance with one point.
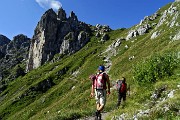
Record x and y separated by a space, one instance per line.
122 90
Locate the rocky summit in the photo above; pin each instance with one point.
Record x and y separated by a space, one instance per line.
55 33
14 52
3 41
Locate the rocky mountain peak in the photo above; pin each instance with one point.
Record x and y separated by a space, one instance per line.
20 39
19 42
62 14
73 16
56 34
3 40
48 17
13 53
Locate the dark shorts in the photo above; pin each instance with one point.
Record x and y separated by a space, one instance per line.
121 96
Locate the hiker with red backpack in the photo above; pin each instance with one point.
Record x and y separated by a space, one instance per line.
122 90
99 88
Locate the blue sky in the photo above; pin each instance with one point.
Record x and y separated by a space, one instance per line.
22 16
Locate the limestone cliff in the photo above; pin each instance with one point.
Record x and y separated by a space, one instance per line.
55 33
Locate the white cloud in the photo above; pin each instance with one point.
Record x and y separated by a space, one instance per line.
46 4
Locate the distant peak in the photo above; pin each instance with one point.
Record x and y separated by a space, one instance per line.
60 9
4 40
61 14
49 11
73 16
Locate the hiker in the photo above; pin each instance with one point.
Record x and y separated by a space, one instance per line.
99 88
122 90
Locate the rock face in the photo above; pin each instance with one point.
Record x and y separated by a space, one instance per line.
14 52
169 17
3 41
56 34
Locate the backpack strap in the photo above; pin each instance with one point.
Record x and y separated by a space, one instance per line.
105 80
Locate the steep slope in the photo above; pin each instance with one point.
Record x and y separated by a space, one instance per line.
60 88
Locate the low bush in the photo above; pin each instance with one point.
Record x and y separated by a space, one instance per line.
157 67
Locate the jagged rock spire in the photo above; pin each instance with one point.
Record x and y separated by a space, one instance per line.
73 16
48 16
43 42
61 14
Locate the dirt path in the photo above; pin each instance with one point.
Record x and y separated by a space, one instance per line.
103 116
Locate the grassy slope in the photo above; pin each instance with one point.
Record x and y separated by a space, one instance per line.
63 102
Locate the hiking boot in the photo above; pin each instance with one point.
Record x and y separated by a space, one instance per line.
99 117
96 115
96 118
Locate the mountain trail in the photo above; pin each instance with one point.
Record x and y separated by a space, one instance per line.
103 116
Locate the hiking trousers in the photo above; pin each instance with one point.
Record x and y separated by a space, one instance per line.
121 96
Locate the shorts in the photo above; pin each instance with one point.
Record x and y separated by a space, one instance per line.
100 96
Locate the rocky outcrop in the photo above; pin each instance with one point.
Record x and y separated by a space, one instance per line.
168 17
14 52
171 11
101 31
155 34
177 36
105 37
3 40
56 34
141 30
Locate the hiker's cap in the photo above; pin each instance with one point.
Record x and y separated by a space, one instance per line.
102 68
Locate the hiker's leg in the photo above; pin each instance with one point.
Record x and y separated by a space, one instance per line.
101 108
100 103
98 106
98 111
119 99
97 97
124 99
124 96
102 100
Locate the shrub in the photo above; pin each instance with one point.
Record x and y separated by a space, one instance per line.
155 68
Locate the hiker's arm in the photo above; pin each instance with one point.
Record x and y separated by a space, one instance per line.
92 90
108 83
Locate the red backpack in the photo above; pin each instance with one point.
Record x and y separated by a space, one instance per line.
99 81
121 87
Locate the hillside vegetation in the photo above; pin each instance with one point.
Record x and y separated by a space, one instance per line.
60 89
